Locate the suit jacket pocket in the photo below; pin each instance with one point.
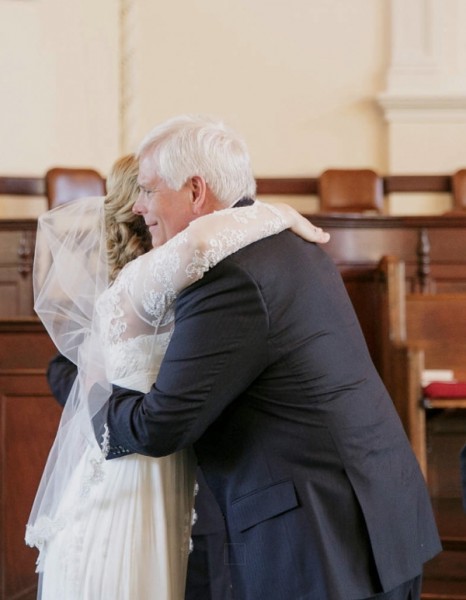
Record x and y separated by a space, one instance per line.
263 504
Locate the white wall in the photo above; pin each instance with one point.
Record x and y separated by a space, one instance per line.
59 84
299 79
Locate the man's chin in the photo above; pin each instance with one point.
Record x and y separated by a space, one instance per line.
157 241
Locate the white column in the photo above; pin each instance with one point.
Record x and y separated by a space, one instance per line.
415 45
424 103
426 78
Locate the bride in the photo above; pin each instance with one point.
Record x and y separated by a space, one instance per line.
120 529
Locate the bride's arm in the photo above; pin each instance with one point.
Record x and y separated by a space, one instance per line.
213 237
158 276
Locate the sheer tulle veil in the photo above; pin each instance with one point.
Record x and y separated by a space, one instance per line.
70 273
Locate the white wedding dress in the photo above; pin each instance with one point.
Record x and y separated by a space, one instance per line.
121 530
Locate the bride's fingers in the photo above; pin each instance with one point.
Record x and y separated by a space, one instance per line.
302 226
310 232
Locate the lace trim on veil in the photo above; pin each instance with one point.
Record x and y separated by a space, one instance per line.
45 528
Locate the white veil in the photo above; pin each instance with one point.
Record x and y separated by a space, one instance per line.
70 273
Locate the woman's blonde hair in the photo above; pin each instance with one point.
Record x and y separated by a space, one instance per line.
127 234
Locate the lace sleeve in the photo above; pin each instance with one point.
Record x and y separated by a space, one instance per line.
152 281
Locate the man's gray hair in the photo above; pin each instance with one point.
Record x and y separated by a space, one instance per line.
190 145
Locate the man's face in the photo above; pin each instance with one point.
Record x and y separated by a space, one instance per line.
166 212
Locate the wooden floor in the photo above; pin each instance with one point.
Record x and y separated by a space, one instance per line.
445 575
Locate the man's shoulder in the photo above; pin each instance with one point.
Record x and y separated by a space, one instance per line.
272 256
285 244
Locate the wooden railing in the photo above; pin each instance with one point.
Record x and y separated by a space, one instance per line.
299 186
22 186
303 186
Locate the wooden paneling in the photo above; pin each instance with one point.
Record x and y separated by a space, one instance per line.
29 418
24 344
17 241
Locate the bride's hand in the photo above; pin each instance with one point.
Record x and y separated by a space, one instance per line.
302 226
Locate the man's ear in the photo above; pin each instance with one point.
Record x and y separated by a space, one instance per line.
198 188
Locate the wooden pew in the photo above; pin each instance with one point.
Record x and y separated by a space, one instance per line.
419 331
427 331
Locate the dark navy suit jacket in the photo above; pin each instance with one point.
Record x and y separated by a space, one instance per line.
269 377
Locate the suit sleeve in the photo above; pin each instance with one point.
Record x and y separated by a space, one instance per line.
61 374
219 346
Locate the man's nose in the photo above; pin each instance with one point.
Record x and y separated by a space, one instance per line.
138 206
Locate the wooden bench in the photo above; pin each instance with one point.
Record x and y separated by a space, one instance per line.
428 331
420 331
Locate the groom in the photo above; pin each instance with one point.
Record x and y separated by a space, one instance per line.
268 376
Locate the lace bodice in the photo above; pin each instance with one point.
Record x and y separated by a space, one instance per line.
136 312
